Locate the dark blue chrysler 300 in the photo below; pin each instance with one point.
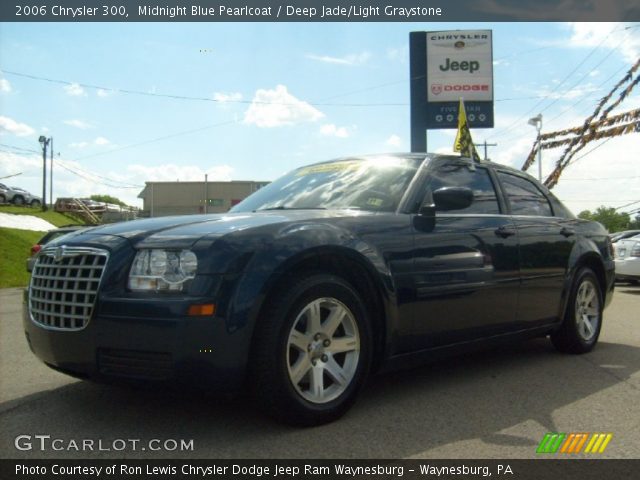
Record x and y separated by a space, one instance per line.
329 273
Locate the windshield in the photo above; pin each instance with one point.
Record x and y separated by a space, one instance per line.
375 183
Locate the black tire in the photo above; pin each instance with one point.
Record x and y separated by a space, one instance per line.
580 329
35 203
3 198
279 356
18 200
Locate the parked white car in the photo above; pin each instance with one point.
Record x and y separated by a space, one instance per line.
627 257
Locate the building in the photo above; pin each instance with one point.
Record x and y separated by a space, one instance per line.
187 198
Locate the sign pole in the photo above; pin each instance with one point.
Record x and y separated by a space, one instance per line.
418 85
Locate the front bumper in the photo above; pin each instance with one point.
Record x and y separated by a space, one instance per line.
167 346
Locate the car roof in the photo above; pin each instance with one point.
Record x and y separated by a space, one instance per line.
423 155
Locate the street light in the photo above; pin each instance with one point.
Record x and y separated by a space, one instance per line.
44 142
537 122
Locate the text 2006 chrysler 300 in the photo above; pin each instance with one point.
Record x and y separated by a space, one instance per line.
330 272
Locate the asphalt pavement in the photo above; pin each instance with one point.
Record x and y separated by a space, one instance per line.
493 404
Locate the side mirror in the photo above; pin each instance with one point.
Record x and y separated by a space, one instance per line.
452 198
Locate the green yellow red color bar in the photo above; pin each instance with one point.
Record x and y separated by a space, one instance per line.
574 443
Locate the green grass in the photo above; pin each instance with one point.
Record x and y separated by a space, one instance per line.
55 218
15 247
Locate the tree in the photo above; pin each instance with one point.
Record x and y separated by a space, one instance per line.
108 199
607 216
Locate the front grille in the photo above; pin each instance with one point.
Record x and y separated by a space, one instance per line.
135 364
64 286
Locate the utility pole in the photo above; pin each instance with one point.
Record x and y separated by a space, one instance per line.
44 142
206 191
51 175
485 145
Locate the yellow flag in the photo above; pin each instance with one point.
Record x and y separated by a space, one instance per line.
464 142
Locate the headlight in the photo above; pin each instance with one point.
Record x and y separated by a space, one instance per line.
162 270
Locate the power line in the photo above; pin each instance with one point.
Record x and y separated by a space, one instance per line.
86 177
166 137
187 97
21 149
517 122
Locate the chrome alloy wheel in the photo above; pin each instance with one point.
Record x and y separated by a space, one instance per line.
323 349
587 309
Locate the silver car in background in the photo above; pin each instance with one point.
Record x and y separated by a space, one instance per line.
627 258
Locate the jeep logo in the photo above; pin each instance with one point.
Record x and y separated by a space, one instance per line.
470 66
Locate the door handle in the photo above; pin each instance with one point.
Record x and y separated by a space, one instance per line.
567 232
505 232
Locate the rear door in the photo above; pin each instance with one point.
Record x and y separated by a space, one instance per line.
546 241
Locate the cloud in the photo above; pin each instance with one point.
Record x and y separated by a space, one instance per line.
79 144
172 172
103 93
277 108
75 90
607 35
349 60
78 124
5 86
394 141
101 141
9 125
330 130
227 97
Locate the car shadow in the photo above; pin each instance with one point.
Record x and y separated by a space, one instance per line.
398 415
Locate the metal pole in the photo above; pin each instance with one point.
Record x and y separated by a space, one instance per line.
206 190
51 175
45 142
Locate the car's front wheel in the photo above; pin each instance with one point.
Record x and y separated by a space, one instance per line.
35 204
580 329
312 351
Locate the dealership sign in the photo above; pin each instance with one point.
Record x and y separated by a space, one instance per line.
445 67
459 65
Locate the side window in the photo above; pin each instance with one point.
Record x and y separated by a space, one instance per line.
479 181
524 196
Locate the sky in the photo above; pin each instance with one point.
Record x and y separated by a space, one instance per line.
265 98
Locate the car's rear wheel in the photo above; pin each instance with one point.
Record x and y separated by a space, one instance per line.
580 329
18 200
312 351
3 198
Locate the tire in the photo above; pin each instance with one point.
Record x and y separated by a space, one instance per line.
35 203
580 329
3 199
311 352
18 200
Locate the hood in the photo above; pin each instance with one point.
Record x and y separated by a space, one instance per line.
184 231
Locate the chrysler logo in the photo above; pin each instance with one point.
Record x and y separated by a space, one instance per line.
58 253
436 88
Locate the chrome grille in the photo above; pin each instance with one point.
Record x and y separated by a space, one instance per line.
64 286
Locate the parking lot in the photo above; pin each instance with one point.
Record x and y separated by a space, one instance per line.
493 404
